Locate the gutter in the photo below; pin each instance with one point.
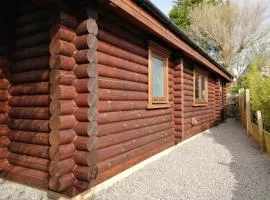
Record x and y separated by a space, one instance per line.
149 6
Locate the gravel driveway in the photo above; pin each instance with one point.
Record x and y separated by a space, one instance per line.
223 164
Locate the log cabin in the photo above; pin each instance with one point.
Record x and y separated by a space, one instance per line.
91 88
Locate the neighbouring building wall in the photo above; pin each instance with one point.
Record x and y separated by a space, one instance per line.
127 131
203 115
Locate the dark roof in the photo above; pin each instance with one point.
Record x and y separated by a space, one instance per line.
153 10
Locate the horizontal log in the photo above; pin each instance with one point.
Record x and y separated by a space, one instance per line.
86 128
3 117
3 164
104 118
62 122
62 47
30 101
109 152
81 186
59 168
87 26
4 107
31 52
4 130
34 76
149 149
37 15
86 56
118 95
61 77
81 143
62 92
58 153
31 64
4 95
4 152
29 137
59 184
4 84
81 85
29 162
27 176
114 72
30 113
4 141
32 40
109 83
62 62
87 41
62 107
29 125
113 61
30 89
62 137
33 27
113 128
120 53
82 173
80 158
113 106
122 43
58 31
29 149
110 140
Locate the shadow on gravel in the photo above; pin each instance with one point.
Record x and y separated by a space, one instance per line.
250 167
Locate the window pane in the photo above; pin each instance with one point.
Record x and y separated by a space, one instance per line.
158 77
197 86
204 88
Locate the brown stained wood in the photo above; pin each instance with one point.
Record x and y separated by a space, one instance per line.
33 76
29 162
4 95
31 52
113 61
29 125
62 107
58 31
33 27
109 83
62 152
27 176
81 85
80 157
4 152
61 47
114 72
81 186
62 122
61 77
4 130
81 143
118 95
62 92
87 26
31 64
4 84
59 168
85 41
4 107
29 113
112 106
30 101
59 184
57 138
29 137
29 149
109 152
62 62
113 128
82 173
3 117
4 141
110 140
128 161
85 56
121 43
33 40
111 117
30 89
3 164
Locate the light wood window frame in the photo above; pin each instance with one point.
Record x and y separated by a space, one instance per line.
162 54
200 101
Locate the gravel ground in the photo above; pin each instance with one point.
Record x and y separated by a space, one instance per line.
223 164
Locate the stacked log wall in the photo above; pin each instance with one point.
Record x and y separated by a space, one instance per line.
218 101
203 115
127 131
29 97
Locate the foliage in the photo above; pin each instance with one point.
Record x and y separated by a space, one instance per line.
259 90
180 11
234 88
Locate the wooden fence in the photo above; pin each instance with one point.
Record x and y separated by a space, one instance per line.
255 130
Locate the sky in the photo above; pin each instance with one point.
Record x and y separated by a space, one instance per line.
164 5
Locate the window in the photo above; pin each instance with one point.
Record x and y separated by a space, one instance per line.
158 93
200 88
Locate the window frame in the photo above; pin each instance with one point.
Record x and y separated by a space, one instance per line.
198 101
155 50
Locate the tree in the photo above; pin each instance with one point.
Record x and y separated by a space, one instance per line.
180 11
231 29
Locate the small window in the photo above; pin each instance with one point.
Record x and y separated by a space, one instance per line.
200 88
158 92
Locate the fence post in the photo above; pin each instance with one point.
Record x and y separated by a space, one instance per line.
239 105
247 110
260 124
